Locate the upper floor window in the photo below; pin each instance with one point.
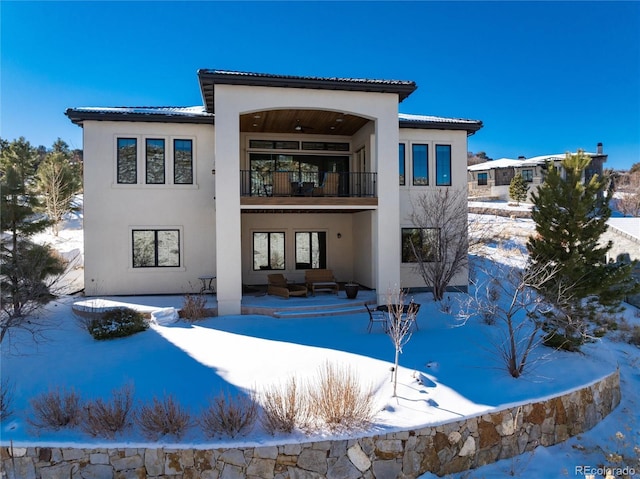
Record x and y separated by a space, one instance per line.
527 175
401 162
311 250
443 165
155 161
268 251
420 157
182 162
156 248
420 245
127 159
482 179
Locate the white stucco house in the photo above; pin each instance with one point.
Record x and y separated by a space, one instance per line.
491 179
272 173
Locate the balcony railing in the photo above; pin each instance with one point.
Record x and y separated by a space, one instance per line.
300 183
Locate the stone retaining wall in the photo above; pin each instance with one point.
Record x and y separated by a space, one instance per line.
443 449
480 210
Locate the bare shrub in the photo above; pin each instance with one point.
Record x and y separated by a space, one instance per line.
338 399
56 409
6 399
193 307
285 407
164 417
229 416
106 419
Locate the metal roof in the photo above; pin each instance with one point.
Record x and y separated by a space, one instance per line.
209 78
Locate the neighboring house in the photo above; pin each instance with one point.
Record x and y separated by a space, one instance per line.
272 174
624 235
491 179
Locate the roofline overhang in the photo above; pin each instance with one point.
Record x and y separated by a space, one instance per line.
78 116
471 127
209 78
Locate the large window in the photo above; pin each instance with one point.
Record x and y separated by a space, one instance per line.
527 175
401 162
156 248
443 165
268 251
182 162
311 250
482 179
155 161
420 156
420 243
127 160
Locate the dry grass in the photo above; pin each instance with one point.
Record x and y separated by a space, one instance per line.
56 409
164 417
229 416
193 307
284 407
339 401
106 419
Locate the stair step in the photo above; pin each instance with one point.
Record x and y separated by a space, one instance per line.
317 312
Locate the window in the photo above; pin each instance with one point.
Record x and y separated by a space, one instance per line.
420 156
311 250
156 248
443 165
155 161
127 161
182 162
423 243
482 179
527 175
268 251
401 161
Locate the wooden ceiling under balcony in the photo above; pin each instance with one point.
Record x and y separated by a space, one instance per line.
313 122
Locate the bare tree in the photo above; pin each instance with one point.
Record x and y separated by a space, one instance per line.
439 244
628 194
399 326
510 298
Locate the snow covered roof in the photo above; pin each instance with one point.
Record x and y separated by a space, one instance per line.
175 114
630 226
520 163
439 122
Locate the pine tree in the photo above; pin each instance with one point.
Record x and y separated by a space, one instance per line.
570 216
518 189
24 265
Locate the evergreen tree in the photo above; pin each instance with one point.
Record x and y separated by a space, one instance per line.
570 216
58 180
518 189
24 266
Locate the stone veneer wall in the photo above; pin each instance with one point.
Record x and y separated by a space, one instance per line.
443 449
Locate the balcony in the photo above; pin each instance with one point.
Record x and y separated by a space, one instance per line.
310 190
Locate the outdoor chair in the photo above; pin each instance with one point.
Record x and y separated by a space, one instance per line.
413 318
376 316
329 186
281 184
279 286
320 280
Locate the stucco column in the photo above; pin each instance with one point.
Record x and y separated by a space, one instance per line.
386 222
228 223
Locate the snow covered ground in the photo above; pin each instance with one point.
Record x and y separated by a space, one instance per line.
460 373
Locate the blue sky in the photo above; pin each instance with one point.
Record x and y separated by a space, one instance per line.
544 77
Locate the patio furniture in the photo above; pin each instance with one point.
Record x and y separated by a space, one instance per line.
329 186
207 284
281 184
376 316
320 280
279 286
413 318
